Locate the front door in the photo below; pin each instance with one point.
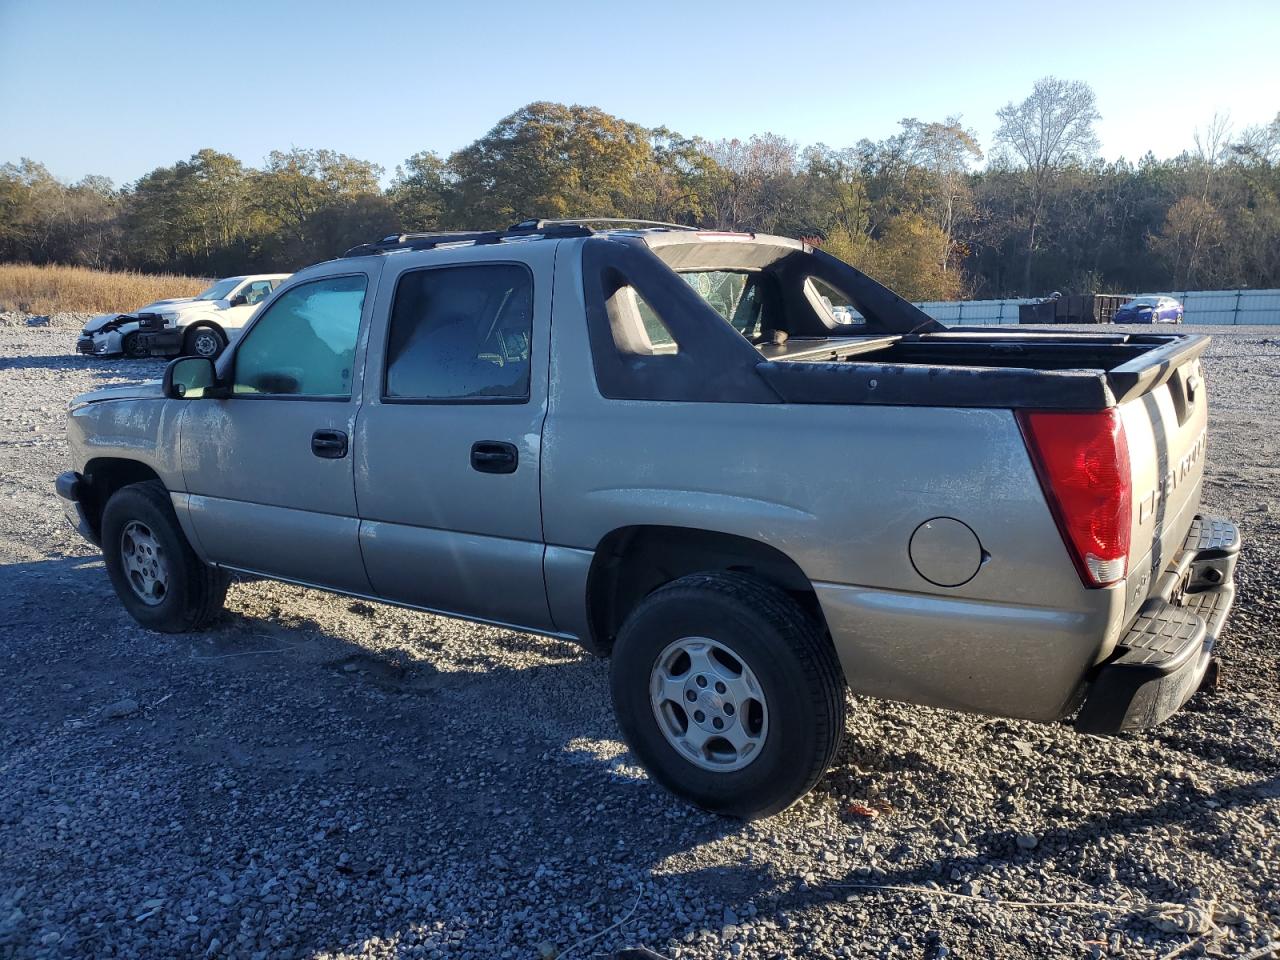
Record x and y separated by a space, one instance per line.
448 440
269 469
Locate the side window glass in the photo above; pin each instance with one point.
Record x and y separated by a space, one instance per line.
305 344
461 333
257 291
839 306
637 328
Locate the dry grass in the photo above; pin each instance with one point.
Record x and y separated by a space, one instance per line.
47 290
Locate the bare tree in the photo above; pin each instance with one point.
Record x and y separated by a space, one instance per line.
1260 144
750 172
946 150
1211 147
1047 131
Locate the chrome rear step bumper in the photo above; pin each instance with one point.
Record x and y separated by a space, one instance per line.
1164 656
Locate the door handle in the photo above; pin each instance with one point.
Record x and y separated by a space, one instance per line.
494 456
329 444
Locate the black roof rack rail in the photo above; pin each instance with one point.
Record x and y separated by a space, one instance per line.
549 229
419 241
584 221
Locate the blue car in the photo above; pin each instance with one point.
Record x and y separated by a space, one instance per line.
1150 310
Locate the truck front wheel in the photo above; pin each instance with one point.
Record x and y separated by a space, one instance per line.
132 347
156 574
728 693
203 341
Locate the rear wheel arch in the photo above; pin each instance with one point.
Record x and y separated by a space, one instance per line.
632 562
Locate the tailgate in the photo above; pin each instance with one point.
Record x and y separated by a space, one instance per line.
1163 407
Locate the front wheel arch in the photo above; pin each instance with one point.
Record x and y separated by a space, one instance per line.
194 327
103 477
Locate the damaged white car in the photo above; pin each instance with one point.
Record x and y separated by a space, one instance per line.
200 326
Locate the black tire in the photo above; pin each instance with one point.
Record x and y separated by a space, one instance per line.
203 340
131 348
194 592
791 657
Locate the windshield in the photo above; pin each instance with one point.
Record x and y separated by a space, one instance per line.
220 290
731 293
1144 302
720 288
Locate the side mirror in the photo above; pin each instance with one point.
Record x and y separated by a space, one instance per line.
239 300
189 378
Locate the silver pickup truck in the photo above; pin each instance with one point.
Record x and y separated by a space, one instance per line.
743 469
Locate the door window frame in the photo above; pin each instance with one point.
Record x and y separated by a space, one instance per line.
227 374
454 401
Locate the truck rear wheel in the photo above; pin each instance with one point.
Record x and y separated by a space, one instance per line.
156 574
729 693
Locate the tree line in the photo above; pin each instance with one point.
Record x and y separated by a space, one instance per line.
926 210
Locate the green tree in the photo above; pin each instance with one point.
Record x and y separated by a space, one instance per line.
314 201
549 160
420 191
1050 129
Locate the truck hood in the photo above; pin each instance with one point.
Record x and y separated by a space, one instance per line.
147 390
175 305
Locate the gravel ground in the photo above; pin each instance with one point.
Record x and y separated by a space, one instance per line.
324 777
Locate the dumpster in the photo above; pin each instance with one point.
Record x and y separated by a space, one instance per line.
1086 308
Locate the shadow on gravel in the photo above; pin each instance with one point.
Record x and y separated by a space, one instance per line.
360 793
321 794
33 593
110 366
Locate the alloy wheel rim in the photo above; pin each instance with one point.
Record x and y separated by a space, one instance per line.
206 344
145 565
709 704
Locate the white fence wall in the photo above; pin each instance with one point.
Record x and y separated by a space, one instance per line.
1229 306
1234 307
973 312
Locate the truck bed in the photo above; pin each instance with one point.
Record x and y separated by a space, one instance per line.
978 368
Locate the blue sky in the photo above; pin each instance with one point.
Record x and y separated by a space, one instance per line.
119 88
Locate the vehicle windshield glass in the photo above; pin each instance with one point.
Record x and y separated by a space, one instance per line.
1144 302
737 295
720 288
220 290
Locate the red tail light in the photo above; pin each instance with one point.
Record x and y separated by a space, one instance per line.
1082 460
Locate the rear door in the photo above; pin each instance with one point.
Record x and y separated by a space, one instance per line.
269 469
449 439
